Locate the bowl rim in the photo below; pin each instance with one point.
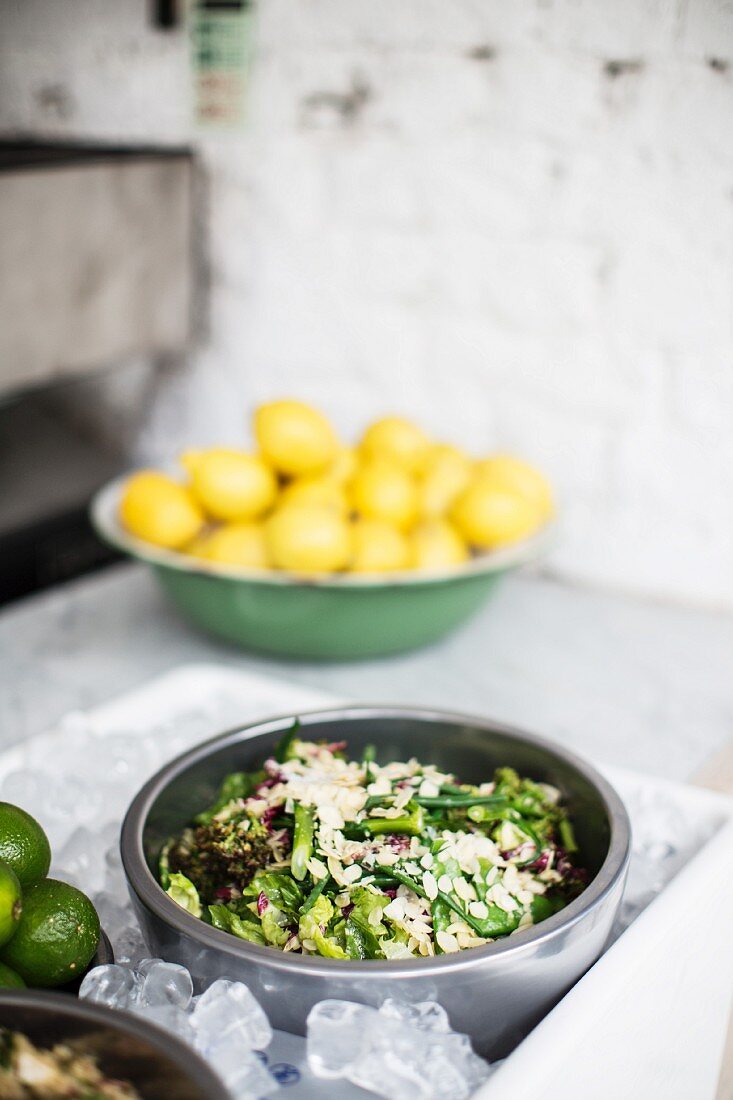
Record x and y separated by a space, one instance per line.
147 889
186 1058
103 512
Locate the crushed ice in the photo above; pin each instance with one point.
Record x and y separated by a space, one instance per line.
225 1023
400 1051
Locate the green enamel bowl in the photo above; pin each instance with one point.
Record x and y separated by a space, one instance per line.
333 617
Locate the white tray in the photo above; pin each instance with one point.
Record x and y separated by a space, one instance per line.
647 1020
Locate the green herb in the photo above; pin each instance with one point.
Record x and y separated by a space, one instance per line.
237 785
285 747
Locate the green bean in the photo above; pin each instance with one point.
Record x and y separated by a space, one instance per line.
567 836
528 805
367 759
314 895
439 822
445 898
409 825
441 920
302 840
455 802
284 747
482 814
382 880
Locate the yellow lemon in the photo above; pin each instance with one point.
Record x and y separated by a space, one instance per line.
190 460
231 485
306 538
516 476
315 490
379 547
295 438
344 466
435 544
447 473
160 510
398 441
242 544
489 517
197 548
381 490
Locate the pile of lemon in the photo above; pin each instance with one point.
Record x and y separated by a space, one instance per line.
307 504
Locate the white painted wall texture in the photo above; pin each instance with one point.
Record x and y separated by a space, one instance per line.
512 220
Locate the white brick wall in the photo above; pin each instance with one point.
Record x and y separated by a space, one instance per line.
522 233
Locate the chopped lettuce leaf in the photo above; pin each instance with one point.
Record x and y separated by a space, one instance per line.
316 919
227 921
275 926
184 893
280 889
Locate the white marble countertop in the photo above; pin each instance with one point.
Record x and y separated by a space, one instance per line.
638 684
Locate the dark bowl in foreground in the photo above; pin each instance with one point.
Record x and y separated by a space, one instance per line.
495 993
130 1049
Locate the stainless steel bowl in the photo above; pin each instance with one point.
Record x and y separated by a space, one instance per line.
495 993
157 1064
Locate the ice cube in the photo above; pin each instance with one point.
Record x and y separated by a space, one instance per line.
228 1009
129 944
59 804
118 758
170 1017
110 841
115 917
110 985
146 964
115 883
28 788
337 1036
74 801
165 983
119 923
82 860
426 1015
60 751
242 1071
397 1053
664 837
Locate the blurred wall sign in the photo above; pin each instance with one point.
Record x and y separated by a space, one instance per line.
221 52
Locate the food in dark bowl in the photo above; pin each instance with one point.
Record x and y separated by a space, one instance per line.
322 855
31 1072
47 1039
496 991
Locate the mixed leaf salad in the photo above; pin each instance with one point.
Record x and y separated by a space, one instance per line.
28 1072
323 855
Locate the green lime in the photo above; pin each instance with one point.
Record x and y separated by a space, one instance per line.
10 902
23 844
57 935
9 979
